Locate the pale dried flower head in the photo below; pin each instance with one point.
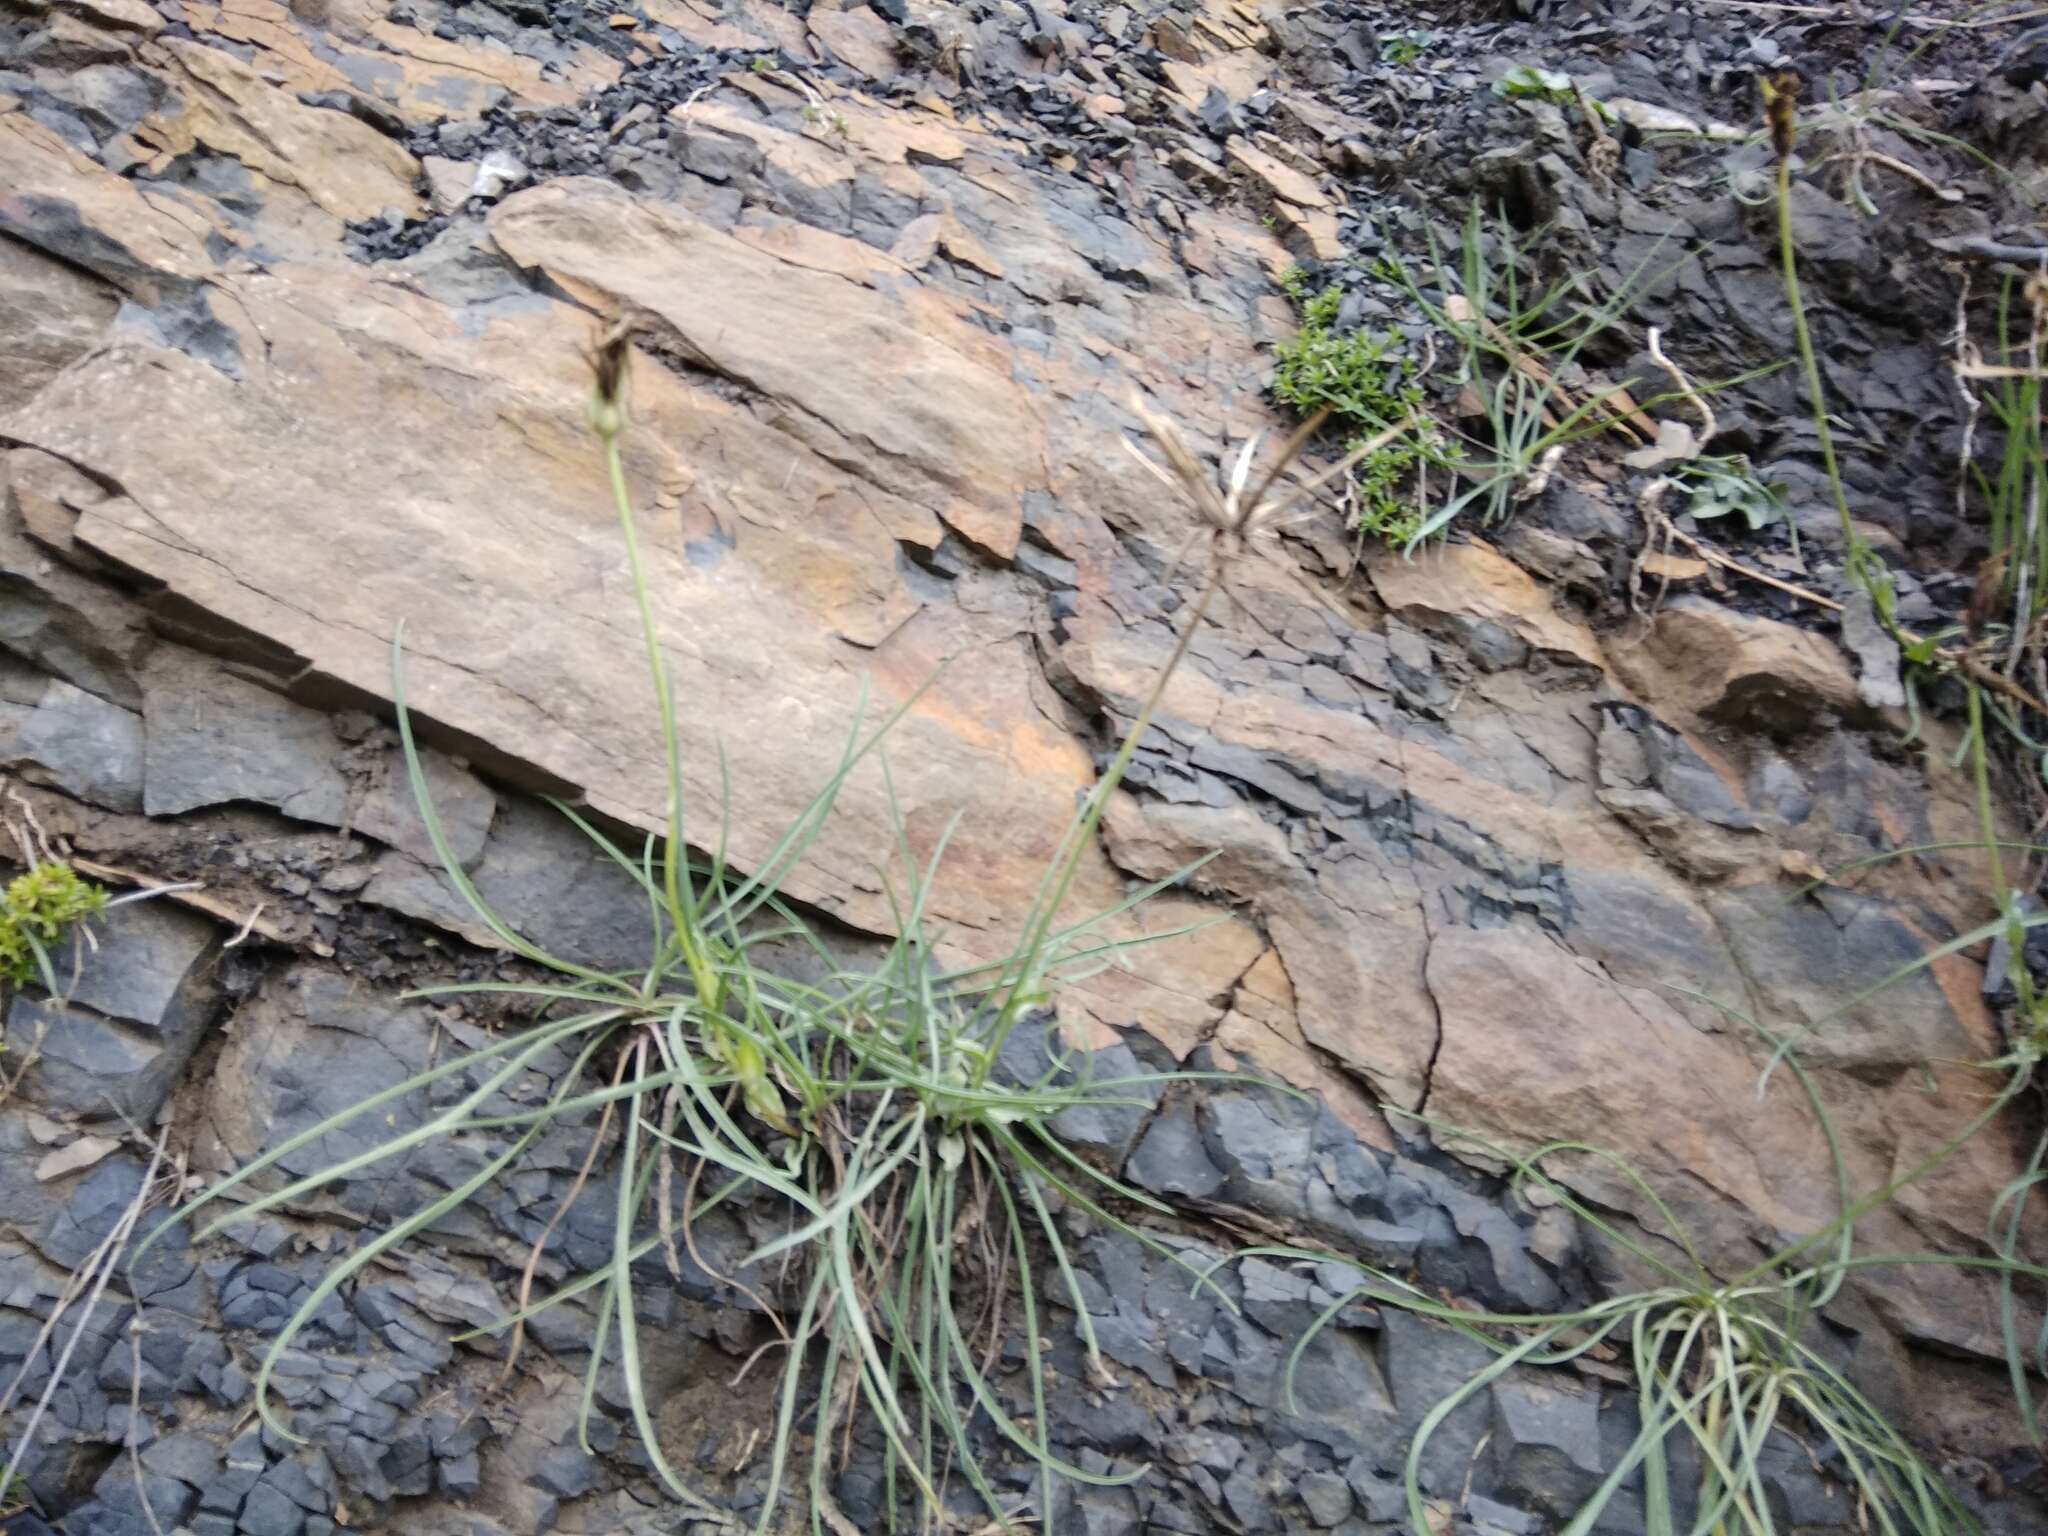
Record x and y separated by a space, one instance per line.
1244 517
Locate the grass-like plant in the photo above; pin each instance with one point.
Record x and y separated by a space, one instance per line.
1720 1364
910 1169
2014 580
1513 343
1990 695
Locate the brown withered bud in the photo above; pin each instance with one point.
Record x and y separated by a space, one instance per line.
609 356
1985 595
1781 111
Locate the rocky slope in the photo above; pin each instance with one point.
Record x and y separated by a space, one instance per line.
294 300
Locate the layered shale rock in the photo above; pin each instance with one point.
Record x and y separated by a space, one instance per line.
293 301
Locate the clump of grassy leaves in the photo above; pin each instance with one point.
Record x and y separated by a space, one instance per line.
1721 1363
868 1103
2015 494
1514 344
1354 376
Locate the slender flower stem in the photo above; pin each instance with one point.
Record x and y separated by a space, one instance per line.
675 875
1788 254
1084 833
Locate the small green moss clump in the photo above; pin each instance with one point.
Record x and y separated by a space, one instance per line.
1404 48
1351 376
35 909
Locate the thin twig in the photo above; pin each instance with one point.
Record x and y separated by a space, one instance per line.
133 1437
1709 427
105 1259
540 1243
1713 556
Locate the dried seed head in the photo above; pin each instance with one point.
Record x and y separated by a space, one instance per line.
1244 518
1781 111
608 356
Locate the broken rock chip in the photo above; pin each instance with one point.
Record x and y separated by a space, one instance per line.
1702 659
1276 175
81 744
141 996
214 739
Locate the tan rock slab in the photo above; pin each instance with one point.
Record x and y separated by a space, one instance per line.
859 37
918 241
485 527
117 15
1703 660
448 181
345 18
344 166
1536 1045
704 30
1238 75
1275 175
1474 580
963 245
440 58
901 134
1310 232
944 429
804 245
145 240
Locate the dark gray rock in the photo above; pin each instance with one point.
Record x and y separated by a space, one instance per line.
1107 1128
1244 1495
1378 1497
389 811
151 967
213 739
1425 1363
1492 1518
1340 1399
109 98
1326 1496
269 1511
1546 1443
567 1471
1277 1299
80 744
1171 1159
1100 1511
1129 1337
118 1503
93 1210
1491 646
1289 1160
143 997
714 155
544 878
191 1458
